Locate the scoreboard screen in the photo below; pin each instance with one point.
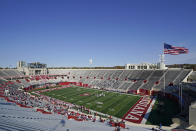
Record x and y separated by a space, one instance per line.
36 65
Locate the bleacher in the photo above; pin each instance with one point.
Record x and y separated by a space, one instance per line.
181 76
6 73
14 116
157 74
124 80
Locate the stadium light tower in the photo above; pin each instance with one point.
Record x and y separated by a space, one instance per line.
90 62
162 67
162 61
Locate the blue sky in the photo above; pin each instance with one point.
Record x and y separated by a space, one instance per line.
112 32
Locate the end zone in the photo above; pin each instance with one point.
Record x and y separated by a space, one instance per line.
137 112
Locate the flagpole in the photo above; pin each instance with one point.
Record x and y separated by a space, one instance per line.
164 74
173 50
164 82
181 96
179 93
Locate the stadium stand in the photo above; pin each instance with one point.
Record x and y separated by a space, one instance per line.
6 73
116 79
131 81
21 111
142 82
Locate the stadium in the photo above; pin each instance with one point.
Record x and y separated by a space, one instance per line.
91 65
121 97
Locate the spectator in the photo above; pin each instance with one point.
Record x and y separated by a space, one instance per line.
63 122
160 126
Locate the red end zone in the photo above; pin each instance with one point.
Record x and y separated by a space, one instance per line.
138 111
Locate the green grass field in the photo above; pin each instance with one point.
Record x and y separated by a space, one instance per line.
112 103
163 111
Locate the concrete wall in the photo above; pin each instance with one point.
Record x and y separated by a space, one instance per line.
192 114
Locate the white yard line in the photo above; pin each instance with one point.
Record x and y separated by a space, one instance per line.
145 118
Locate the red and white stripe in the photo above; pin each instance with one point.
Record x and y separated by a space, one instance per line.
176 51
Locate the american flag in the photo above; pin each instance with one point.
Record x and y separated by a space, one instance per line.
172 50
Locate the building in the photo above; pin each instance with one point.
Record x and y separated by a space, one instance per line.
142 66
21 64
35 68
147 66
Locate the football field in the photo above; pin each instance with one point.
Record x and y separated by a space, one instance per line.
110 103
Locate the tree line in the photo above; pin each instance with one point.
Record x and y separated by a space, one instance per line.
184 66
